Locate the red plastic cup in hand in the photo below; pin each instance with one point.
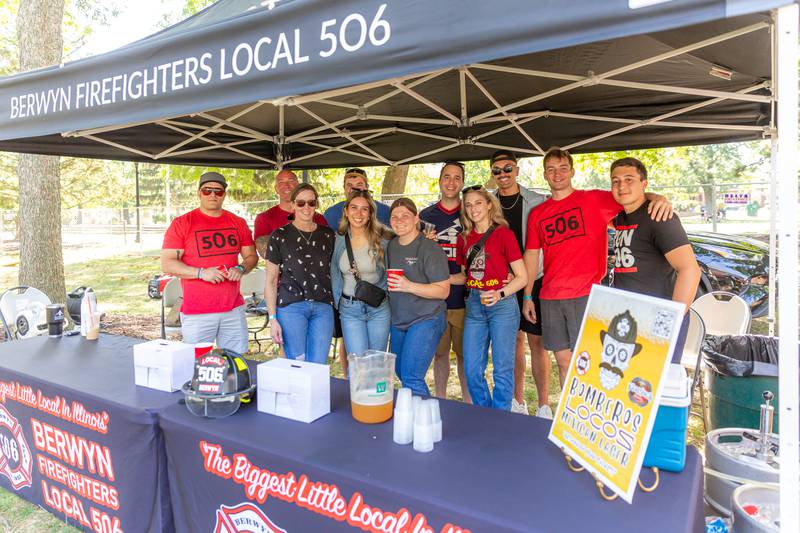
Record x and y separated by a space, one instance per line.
393 275
202 348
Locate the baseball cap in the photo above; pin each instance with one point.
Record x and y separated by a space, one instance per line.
215 177
504 155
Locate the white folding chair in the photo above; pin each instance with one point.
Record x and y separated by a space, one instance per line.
22 310
692 358
172 291
722 313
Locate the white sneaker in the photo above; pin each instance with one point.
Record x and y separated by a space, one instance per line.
544 412
519 408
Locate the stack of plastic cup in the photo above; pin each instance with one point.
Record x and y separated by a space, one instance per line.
436 419
423 428
403 417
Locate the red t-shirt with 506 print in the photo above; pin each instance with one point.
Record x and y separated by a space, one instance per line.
491 266
209 242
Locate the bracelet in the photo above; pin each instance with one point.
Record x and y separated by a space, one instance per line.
199 273
527 297
273 317
240 267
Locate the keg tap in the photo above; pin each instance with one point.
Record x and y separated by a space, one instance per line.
765 426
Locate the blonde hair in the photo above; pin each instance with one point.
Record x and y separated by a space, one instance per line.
375 230
495 211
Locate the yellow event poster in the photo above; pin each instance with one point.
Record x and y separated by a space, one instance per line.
613 385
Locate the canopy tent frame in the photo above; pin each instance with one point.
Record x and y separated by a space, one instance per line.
405 86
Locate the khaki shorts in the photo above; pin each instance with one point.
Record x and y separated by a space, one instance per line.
453 332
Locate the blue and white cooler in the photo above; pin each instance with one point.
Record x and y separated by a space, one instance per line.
667 447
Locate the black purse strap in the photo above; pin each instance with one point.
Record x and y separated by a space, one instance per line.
476 249
353 265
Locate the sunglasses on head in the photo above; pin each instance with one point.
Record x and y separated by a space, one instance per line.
471 188
303 203
355 171
508 169
366 193
208 191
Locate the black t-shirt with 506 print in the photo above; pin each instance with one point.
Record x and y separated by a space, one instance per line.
304 259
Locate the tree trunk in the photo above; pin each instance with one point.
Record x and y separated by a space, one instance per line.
394 181
41 262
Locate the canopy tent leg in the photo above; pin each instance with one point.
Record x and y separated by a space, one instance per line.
773 232
787 57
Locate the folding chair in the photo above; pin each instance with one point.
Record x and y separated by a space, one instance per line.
722 313
251 287
692 357
16 301
172 291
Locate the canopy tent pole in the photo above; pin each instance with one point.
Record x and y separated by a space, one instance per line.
787 166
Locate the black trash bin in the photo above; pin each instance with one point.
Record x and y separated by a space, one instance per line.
740 369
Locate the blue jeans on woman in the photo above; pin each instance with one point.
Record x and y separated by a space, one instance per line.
415 347
364 327
307 329
497 325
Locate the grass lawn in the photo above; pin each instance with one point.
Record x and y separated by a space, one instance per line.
121 285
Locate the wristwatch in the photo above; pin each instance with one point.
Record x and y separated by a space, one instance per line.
502 294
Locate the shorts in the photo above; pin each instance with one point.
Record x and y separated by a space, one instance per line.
453 332
562 322
534 328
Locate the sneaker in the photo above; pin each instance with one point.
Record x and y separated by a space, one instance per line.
519 408
544 412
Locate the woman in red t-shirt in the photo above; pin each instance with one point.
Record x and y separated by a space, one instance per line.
492 312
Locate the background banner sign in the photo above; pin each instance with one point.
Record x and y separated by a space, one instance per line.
613 385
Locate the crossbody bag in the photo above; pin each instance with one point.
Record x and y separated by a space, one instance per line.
366 292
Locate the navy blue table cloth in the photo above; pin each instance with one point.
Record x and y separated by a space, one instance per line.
78 438
493 472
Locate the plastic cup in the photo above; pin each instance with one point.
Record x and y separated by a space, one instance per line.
436 418
403 429
392 275
423 428
202 348
486 297
404 402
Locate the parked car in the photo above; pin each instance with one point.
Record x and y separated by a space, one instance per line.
728 263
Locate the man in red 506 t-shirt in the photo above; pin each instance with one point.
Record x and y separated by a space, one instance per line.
202 248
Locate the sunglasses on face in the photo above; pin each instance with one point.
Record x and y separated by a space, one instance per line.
471 188
508 169
208 191
303 203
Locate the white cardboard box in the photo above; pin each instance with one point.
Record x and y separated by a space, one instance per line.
163 365
294 389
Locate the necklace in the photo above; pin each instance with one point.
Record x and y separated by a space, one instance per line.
302 234
512 206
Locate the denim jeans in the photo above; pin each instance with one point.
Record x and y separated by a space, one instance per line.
307 329
364 327
229 329
415 347
496 325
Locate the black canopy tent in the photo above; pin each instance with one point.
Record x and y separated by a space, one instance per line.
316 83
248 84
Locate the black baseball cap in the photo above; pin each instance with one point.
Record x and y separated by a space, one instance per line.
504 155
215 177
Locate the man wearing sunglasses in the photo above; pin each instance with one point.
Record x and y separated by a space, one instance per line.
517 203
354 178
202 248
278 216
